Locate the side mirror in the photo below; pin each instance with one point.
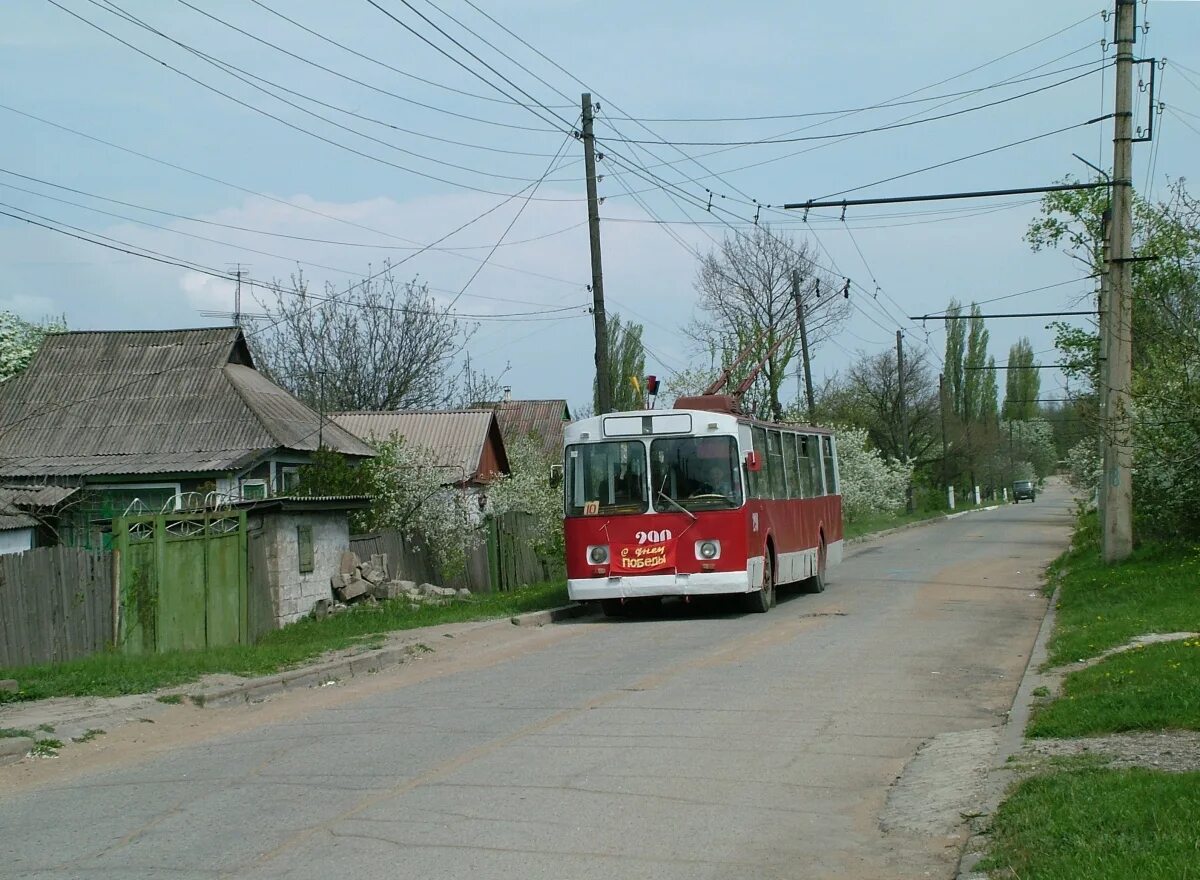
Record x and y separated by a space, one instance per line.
753 462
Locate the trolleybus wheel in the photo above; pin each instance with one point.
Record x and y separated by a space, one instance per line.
613 608
761 600
816 583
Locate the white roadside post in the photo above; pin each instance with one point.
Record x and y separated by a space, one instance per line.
950 495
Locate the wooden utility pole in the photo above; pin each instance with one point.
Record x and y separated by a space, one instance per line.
808 389
1118 489
600 322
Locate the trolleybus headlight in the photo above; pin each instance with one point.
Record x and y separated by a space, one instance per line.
598 554
708 549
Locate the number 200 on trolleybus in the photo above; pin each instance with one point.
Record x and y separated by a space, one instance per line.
696 501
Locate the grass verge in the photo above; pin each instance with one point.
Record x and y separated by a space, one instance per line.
881 521
113 674
1147 688
1098 825
1102 606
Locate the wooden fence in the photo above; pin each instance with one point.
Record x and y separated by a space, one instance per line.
55 605
505 561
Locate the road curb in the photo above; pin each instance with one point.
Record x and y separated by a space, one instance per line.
255 690
1012 739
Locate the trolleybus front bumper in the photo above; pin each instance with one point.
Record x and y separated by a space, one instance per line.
700 584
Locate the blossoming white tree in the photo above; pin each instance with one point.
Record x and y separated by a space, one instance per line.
870 482
19 341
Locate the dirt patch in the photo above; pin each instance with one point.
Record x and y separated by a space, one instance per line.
1174 751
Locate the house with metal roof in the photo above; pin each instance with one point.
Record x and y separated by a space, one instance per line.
143 419
467 443
542 420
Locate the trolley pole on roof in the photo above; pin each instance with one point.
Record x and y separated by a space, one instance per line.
1117 540
808 389
600 322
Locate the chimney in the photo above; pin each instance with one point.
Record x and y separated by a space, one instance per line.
508 394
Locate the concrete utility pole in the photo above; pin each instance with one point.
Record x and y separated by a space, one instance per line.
808 389
603 391
1104 307
942 413
903 412
1118 490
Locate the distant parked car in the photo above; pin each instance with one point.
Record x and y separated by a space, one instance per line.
1024 489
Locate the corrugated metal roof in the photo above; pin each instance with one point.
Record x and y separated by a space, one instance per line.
541 419
144 402
16 521
455 438
30 497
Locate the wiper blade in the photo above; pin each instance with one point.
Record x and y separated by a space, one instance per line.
675 503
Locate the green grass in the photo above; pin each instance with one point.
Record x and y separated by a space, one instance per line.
881 520
14 732
46 748
1098 825
113 674
1102 606
1142 689
88 735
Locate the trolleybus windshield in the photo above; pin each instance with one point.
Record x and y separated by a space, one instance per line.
606 477
697 473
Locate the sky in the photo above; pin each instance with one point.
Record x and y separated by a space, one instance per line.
271 147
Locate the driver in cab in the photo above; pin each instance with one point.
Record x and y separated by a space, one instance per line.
712 478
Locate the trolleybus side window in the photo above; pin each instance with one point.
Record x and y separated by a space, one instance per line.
830 473
789 466
775 465
810 466
761 481
606 477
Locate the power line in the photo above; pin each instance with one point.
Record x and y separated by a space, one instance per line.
846 111
280 119
374 60
297 207
872 130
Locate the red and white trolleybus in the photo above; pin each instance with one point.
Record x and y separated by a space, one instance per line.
698 500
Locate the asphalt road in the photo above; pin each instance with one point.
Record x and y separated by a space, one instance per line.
700 743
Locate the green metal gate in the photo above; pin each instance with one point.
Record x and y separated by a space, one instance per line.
183 580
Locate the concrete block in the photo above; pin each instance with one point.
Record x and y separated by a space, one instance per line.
349 562
353 590
14 748
9 686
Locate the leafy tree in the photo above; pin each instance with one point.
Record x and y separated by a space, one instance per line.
1166 348
746 301
626 362
975 382
19 341
869 397
1023 382
956 336
380 344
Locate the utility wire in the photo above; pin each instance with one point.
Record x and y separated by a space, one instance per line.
280 119
359 82
374 60
284 202
878 128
